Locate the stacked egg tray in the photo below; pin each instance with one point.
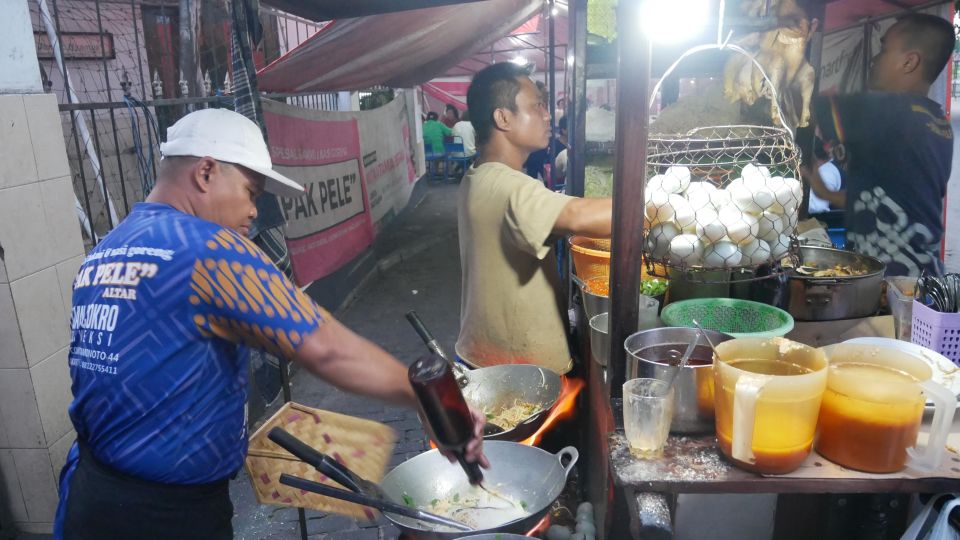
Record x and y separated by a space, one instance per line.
721 198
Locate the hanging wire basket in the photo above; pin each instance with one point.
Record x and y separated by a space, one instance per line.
721 198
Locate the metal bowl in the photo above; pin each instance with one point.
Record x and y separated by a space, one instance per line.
693 411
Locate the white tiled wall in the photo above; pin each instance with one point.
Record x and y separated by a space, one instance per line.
12 354
40 251
19 416
18 166
37 484
51 381
43 320
45 131
10 487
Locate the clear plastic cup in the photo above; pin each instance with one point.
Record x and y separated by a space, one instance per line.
647 413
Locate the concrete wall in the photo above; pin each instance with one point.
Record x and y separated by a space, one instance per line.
18 75
40 252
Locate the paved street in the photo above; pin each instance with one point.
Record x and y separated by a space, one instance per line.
419 269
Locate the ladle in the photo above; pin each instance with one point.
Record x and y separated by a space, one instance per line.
683 361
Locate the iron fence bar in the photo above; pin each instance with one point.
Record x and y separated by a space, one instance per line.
154 103
113 118
96 143
83 179
116 145
153 164
65 74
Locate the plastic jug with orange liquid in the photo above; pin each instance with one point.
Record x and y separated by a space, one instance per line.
767 398
871 411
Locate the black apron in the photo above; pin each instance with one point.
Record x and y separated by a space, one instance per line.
104 503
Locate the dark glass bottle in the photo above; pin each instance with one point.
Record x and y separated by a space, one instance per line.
446 410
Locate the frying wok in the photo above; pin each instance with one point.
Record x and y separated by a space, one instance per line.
525 474
497 387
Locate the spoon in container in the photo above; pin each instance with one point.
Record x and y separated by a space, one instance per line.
683 361
703 332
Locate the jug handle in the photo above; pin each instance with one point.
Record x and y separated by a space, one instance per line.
945 405
745 396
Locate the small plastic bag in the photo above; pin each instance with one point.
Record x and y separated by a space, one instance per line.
926 527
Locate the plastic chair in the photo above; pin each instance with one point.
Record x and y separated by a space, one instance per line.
455 153
431 157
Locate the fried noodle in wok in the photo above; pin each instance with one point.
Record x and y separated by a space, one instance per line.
509 417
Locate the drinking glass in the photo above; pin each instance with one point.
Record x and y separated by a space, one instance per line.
647 413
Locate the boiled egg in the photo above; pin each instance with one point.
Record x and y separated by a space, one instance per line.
781 247
722 254
686 249
754 175
668 183
720 198
703 216
698 193
771 226
658 208
751 200
683 213
681 174
709 226
740 226
755 252
659 239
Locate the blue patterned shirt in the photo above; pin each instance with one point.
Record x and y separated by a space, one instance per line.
162 309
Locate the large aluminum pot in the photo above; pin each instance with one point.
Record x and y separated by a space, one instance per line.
828 299
526 474
646 353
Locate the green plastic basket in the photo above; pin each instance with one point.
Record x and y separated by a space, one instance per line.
738 318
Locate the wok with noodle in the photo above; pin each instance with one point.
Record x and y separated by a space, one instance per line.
524 481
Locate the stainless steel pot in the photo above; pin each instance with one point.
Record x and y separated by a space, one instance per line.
523 473
829 299
646 352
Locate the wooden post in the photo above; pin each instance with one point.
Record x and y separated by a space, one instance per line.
633 118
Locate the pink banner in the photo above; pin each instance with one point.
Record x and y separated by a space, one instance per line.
331 224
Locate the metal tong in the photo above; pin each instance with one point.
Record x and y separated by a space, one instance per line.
940 293
361 491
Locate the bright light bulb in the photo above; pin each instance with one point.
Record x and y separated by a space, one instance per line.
570 60
673 21
519 60
555 11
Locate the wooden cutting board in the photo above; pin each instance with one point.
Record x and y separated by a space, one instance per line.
364 446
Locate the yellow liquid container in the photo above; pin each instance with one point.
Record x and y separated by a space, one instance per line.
873 406
767 398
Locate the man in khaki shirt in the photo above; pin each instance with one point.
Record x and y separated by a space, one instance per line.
512 310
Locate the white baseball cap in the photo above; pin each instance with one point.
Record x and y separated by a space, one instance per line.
229 137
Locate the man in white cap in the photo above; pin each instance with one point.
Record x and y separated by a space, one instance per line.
161 309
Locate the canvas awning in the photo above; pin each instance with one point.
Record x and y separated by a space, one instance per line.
399 49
